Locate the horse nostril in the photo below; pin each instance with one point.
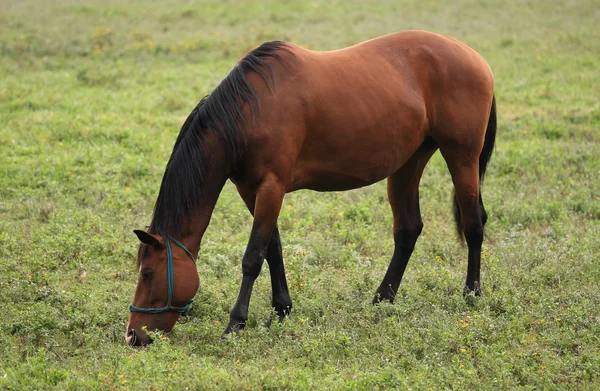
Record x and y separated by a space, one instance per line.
132 337
135 338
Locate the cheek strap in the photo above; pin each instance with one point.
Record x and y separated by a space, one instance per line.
182 310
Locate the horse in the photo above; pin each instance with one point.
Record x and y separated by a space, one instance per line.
286 118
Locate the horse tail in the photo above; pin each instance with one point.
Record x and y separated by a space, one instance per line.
484 159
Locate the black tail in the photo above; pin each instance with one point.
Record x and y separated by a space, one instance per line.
484 159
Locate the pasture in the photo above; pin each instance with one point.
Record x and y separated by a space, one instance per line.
92 97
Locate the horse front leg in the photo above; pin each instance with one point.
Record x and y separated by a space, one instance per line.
281 300
266 210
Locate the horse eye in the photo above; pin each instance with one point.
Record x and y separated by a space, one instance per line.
147 277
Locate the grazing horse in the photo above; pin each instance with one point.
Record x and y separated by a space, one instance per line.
287 118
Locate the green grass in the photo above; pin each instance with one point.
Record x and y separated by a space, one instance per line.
92 95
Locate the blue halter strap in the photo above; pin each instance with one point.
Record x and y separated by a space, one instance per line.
182 310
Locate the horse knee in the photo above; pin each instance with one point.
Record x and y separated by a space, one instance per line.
406 237
252 264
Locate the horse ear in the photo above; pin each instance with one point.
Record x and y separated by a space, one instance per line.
146 238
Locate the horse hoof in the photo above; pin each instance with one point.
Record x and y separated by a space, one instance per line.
281 316
474 290
380 298
233 328
228 334
470 294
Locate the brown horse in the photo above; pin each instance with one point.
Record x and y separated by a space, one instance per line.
287 118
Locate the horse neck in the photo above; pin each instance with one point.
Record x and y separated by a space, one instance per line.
218 171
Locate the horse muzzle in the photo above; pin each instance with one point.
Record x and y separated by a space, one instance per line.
137 338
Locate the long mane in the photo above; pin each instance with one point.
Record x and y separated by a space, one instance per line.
221 113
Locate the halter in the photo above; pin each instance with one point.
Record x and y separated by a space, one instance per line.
182 310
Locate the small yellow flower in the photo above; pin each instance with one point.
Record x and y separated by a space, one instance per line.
465 325
29 276
124 381
461 366
468 316
558 319
462 350
302 320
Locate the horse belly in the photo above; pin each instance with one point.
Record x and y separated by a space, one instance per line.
321 180
337 169
359 147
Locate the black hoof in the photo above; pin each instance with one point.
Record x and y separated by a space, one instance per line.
380 298
472 290
281 314
233 327
284 312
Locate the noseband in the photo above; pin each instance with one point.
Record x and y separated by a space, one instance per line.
182 310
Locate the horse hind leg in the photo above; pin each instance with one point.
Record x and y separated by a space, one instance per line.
403 195
471 216
467 155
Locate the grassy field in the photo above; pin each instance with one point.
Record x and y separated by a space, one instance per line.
92 95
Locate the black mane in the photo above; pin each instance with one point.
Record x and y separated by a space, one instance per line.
220 112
